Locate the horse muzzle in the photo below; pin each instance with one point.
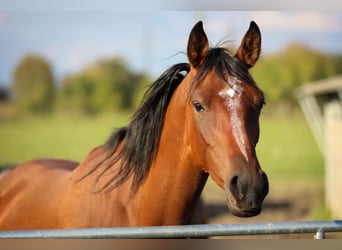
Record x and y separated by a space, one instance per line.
245 197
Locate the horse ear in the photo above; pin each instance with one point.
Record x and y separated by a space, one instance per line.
250 46
197 46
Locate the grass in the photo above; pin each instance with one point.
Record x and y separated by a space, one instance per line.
62 137
286 147
287 150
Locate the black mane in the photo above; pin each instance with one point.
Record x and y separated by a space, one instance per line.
141 137
218 59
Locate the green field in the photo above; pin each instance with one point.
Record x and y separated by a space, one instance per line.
63 137
287 150
286 147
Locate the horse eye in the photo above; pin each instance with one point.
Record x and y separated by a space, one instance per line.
198 106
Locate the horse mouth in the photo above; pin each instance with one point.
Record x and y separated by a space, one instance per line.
242 209
245 212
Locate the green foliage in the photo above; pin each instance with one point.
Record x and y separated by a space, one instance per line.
107 85
76 94
33 85
281 73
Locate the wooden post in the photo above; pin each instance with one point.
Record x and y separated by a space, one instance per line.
333 157
326 127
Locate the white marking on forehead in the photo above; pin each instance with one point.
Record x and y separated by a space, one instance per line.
232 105
232 88
231 92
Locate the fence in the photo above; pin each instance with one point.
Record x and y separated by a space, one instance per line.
333 177
318 228
321 103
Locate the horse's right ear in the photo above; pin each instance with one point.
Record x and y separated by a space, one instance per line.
198 46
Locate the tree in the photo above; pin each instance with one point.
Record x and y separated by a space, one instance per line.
76 94
33 85
107 85
279 74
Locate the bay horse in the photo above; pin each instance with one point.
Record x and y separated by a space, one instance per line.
197 119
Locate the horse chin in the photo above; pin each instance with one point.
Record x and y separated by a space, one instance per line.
244 212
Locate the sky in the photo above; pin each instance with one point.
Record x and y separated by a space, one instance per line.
149 40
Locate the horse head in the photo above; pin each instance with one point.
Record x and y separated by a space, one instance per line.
224 105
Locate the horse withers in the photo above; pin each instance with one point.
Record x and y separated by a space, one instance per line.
197 119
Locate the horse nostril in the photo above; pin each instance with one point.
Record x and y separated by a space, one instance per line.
235 188
233 185
233 181
265 184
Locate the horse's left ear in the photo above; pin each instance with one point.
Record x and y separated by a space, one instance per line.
198 46
250 46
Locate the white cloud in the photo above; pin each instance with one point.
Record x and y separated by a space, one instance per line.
297 21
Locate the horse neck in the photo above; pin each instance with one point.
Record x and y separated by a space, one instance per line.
174 184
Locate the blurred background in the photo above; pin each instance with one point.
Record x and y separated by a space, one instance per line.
68 78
